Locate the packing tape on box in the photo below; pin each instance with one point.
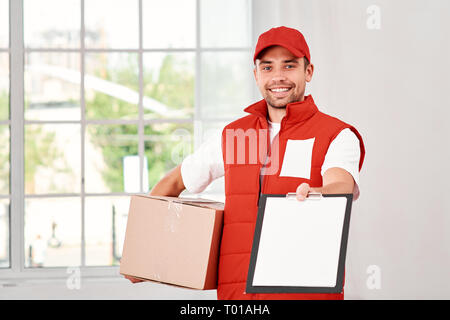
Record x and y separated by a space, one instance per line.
173 217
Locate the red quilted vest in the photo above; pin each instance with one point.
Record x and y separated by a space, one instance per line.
242 184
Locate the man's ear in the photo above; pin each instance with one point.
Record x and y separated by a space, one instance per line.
254 74
309 72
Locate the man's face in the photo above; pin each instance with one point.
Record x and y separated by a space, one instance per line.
281 77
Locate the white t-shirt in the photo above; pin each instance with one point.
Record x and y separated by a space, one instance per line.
205 165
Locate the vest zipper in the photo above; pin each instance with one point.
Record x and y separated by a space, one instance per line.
261 179
269 143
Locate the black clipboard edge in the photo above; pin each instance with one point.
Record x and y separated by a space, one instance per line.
296 289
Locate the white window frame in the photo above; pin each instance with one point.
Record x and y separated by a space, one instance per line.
17 51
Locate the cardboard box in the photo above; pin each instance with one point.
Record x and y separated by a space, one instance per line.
173 240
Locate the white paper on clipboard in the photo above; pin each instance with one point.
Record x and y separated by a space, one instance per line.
300 242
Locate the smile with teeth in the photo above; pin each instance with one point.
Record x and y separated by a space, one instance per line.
279 89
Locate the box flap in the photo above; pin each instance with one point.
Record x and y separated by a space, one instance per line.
199 202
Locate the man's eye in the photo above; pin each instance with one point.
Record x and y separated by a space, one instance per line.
289 66
266 68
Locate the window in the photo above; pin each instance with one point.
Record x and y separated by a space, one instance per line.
110 95
4 135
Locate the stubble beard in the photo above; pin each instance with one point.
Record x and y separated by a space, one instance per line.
281 105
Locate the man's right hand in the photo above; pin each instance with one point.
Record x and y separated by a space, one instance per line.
133 279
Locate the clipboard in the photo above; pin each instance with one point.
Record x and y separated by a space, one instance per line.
300 246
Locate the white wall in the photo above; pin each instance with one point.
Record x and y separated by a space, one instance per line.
393 85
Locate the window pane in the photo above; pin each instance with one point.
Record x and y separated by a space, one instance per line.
52 158
106 148
4 86
4 159
112 86
227 84
4 233
166 145
169 85
4 23
52 232
208 129
105 225
52 23
102 27
169 23
225 23
52 86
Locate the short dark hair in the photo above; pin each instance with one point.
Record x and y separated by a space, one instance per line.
306 62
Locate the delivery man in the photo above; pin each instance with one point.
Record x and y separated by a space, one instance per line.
285 144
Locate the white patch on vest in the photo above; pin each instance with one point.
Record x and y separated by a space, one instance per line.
297 159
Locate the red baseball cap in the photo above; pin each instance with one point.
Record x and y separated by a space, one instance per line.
288 38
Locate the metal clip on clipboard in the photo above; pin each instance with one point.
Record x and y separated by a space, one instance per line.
310 196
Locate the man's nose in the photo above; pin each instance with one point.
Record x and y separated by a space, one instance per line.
278 75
